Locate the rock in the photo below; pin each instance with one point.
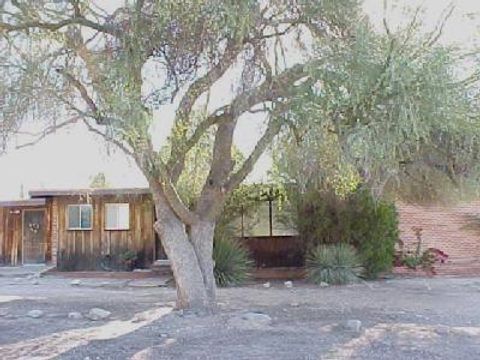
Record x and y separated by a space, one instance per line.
267 285
75 315
250 320
442 330
35 282
3 312
169 341
324 284
98 314
294 304
353 325
163 335
288 284
35 314
75 282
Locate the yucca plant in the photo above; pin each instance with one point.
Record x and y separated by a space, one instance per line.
333 264
232 262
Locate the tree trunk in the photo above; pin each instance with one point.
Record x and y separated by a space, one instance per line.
190 255
202 239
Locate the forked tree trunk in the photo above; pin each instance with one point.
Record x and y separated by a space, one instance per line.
190 255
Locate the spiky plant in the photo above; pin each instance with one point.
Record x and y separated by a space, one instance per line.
333 264
232 262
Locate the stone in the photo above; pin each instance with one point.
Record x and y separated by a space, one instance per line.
288 284
169 341
96 314
324 284
75 315
267 285
294 304
442 330
251 320
75 282
353 325
35 314
35 282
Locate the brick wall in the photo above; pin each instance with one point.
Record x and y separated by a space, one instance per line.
448 228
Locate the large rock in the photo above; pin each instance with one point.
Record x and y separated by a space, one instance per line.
353 325
250 320
35 314
96 314
76 282
288 284
75 315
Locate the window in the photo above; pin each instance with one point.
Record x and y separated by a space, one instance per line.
117 217
80 217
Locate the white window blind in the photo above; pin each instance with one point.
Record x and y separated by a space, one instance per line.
117 217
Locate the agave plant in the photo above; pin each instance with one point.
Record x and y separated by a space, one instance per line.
232 262
333 264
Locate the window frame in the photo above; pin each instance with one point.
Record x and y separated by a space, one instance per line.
117 206
80 228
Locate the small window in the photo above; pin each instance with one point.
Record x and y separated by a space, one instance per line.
117 217
80 217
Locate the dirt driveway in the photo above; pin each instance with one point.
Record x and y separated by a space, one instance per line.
49 318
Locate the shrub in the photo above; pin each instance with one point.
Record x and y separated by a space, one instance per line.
334 264
375 232
370 225
232 261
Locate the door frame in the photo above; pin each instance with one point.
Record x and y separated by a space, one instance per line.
44 210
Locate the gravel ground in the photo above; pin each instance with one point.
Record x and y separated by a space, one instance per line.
400 319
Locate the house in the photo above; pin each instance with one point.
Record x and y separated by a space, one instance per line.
93 229
79 229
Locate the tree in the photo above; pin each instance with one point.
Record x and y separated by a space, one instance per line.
73 60
99 181
395 112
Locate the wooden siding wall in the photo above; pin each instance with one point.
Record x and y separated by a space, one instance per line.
100 249
11 224
275 251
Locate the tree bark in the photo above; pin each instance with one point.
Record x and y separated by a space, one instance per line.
202 240
190 255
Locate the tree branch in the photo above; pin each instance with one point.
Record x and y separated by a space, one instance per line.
77 20
272 130
47 131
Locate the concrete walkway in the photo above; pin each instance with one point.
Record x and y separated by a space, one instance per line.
24 271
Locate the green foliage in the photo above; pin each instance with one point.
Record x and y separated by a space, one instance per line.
412 261
333 264
128 255
232 260
99 181
386 111
370 225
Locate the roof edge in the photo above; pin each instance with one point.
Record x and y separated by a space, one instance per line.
23 203
90 192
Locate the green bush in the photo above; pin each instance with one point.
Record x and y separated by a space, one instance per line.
370 225
232 261
333 264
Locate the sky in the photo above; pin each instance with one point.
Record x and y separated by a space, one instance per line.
70 157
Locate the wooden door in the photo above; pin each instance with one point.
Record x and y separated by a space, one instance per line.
34 241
